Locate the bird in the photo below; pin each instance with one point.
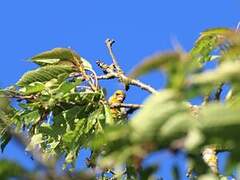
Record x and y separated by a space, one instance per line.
118 97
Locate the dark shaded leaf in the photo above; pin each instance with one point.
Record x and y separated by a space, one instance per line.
4 138
11 170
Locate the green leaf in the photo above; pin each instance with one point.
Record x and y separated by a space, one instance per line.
158 108
71 138
71 157
217 117
155 62
225 72
177 125
43 74
46 61
108 115
86 64
66 87
208 177
194 139
36 140
4 138
30 117
5 123
207 42
232 53
146 173
32 88
63 56
11 170
5 103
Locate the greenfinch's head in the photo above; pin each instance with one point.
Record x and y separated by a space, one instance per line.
120 95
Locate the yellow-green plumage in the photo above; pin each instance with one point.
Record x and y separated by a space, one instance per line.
117 98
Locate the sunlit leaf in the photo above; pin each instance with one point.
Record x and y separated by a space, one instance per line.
64 56
32 88
157 110
36 140
30 117
225 72
207 42
55 54
43 74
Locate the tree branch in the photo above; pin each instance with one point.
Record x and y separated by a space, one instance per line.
117 72
131 106
109 43
110 74
142 85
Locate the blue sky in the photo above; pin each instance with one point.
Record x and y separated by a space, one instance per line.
140 28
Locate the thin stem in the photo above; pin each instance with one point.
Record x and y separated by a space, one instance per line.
109 43
142 85
131 106
107 76
218 92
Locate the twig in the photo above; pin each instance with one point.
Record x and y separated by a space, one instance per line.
19 97
107 76
131 106
109 43
218 92
117 72
110 73
142 85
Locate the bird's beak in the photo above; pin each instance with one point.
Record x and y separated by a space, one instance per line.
120 98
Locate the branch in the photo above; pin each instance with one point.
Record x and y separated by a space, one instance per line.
131 106
117 72
107 76
218 92
142 85
17 95
109 43
110 74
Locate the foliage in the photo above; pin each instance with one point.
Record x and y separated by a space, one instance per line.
62 109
